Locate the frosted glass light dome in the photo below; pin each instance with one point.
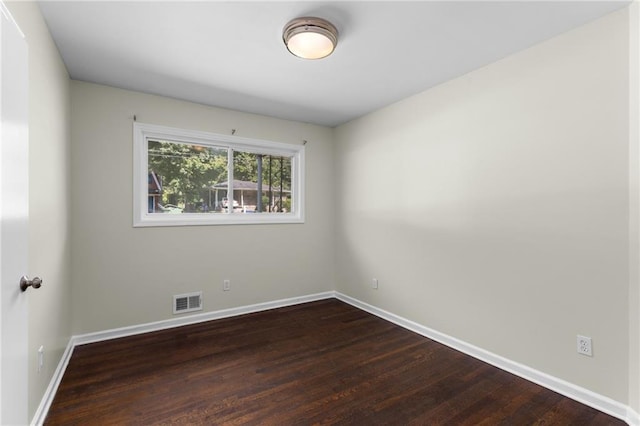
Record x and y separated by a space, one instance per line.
310 38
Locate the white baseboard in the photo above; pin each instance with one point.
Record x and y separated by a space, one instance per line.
580 394
633 418
585 396
50 392
197 318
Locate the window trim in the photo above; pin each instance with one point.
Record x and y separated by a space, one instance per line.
142 132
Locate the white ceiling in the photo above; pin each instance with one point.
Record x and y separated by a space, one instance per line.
230 54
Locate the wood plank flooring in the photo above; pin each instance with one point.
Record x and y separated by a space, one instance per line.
317 363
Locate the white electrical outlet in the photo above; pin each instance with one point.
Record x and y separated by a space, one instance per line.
374 283
40 358
226 285
584 345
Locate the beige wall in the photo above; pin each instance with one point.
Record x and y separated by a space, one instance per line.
126 276
634 206
49 198
518 240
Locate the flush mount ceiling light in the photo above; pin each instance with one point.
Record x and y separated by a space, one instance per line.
310 38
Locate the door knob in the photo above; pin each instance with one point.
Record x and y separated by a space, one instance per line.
25 283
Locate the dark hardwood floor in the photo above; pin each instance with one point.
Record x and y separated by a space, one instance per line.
318 363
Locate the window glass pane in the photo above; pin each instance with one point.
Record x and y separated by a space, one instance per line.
185 178
261 183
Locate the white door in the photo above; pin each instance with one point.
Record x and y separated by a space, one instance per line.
14 219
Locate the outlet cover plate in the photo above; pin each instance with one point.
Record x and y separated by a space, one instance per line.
584 345
40 358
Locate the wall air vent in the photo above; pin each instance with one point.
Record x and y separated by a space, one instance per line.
187 302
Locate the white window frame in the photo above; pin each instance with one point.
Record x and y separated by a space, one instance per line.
143 132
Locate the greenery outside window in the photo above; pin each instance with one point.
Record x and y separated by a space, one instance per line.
184 177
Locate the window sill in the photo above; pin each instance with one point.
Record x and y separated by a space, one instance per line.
199 219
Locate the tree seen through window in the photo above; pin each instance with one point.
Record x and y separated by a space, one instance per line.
193 178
